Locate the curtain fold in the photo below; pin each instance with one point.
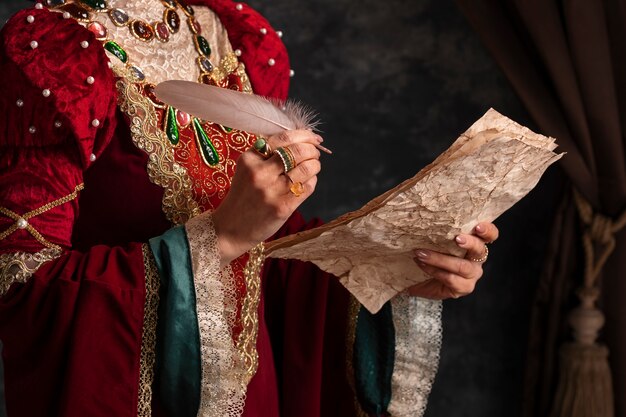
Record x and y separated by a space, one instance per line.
566 60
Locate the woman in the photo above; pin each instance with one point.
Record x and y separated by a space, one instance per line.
100 317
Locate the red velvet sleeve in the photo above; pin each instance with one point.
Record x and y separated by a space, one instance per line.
72 330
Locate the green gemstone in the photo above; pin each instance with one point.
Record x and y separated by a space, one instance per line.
116 50
227 129
209 153
203 45
171 127
95 4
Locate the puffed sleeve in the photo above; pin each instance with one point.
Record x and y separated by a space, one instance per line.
55 122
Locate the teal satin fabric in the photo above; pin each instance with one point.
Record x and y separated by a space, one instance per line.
178 369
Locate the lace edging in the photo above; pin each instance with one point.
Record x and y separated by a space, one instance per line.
20 266
418 328
226 368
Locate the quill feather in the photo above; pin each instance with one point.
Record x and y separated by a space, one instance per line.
241 111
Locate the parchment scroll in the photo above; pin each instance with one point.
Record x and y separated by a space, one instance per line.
487 169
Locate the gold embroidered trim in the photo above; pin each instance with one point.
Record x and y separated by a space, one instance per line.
148 340
353 313
228 64
20 266
178 203
21 222
243 76
246 343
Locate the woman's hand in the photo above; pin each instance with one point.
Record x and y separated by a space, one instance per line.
454 277
260 200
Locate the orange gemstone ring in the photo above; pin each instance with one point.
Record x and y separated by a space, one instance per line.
296 188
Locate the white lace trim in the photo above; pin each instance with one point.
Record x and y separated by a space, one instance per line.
223 389
418 343
175 59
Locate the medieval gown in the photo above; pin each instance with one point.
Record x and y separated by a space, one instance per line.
113 302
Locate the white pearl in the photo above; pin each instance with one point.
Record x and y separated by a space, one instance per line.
92 157
90 80
271 62
292 73
238 52
58 124
84 44
110 64
279 33
46 93
95 122
34 44
19 102
30 19
239 7
39 6
22 223
66 15
263 31
32 129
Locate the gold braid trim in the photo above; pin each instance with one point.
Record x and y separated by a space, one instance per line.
246 343
353 314
148 340
21 222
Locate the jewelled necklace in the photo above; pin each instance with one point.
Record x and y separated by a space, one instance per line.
173 121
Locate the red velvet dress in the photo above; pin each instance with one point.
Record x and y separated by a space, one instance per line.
77 320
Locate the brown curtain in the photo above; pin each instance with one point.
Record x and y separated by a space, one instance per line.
567 62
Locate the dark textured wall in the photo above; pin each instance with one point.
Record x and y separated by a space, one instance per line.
395 82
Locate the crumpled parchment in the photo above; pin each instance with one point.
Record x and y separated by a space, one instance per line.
487 169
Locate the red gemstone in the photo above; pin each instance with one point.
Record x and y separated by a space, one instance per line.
182 118
98 29
142 30
162 32
173 20
76 11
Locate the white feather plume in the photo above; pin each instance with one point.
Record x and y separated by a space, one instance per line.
241 111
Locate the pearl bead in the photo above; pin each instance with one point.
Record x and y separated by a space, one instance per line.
32 129
46 93
292 73
34 44
22 223
279 33
84 44
30 19
58 124
20 103
271 62
238 52
239 7
95 122
39 6
92 157
110 64
263 31
66 15
90 80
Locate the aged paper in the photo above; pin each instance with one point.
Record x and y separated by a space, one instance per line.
487 169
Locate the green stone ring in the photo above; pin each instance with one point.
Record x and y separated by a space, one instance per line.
262 148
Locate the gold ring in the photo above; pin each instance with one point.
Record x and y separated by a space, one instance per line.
483 258
263 148
296 188
286 157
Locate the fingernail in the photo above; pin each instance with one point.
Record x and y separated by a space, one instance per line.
422 254
419 263
480 229
460 240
